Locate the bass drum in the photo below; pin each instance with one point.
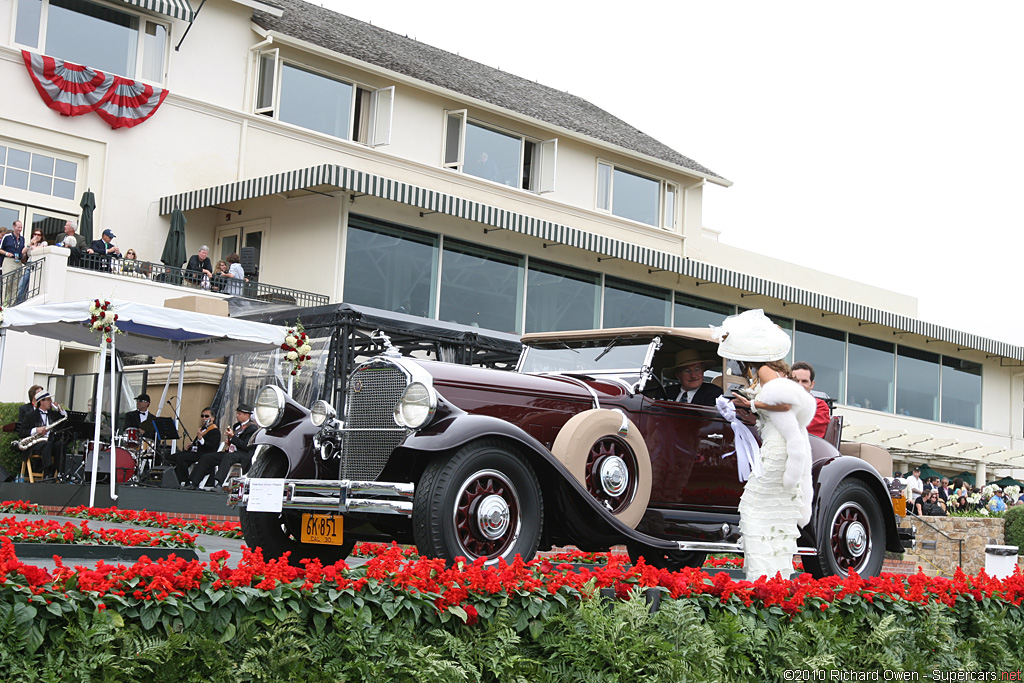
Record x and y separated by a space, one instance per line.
124 463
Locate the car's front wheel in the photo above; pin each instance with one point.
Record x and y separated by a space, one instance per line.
483 500
852 537
279 532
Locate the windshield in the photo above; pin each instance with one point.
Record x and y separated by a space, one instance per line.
617 355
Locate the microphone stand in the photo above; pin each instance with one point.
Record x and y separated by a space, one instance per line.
181 424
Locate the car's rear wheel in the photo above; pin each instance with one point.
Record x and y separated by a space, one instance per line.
852 537
279 532
606 453
672 560
483 500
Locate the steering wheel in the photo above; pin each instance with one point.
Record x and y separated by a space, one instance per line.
655 389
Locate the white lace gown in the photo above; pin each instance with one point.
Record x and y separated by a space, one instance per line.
769 513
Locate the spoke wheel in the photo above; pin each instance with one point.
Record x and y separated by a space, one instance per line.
852 538
483 500
610 473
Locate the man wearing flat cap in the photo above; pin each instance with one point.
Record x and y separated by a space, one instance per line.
689 370
140 418
238 446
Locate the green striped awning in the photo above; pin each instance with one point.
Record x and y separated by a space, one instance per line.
340 177
179 9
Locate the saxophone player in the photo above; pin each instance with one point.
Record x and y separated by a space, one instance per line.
37 423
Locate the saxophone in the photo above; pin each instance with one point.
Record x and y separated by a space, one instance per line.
31 440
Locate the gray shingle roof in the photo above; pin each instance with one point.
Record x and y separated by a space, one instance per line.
418 60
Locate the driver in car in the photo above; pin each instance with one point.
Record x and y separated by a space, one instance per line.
689 370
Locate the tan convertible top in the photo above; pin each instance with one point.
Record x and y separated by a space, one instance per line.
695 333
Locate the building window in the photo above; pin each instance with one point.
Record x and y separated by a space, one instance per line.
561 298
391 268
824 349
872 370
498 155
94 35
628 194
961 392
317 101
39 173
917 383
628 304
481 287
693 311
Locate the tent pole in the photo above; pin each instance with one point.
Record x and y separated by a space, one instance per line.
163 396
98 408
113 414
3 345
177 411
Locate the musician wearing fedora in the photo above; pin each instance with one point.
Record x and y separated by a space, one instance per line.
37 423
689 371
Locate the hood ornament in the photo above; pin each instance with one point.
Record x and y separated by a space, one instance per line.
384 340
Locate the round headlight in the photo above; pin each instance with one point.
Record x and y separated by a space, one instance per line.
269 407
321 412
416 406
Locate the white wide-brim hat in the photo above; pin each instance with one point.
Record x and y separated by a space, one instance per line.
751 336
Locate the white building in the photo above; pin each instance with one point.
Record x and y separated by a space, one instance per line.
369 168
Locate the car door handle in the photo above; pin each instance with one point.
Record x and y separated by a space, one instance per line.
715 436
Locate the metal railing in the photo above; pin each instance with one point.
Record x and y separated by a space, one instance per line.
158 272
21 285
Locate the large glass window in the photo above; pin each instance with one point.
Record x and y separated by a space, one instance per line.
628 194
41 173
314 101
561 298
872 368
693 311
627 304
94 35
961 392
825 349
500 156
390 268
917 383
481 287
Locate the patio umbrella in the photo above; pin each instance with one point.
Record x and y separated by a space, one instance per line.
968 477
88 205
1007 481
174 248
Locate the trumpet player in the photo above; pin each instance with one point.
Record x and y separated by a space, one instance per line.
37 424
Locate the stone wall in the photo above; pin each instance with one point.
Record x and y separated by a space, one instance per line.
944 557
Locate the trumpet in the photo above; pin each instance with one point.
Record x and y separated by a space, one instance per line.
31 440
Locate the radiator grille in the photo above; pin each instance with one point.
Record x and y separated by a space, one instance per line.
370 430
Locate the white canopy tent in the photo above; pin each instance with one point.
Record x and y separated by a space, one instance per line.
148 330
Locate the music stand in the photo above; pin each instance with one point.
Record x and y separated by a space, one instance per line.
165 430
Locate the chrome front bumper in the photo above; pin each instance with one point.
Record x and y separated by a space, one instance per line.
335 495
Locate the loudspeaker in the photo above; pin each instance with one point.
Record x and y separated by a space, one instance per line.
5 475
163 476
247 259
170 479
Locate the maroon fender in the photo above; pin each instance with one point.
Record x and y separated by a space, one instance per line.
293 436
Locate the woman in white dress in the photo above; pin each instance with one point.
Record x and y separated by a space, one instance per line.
776 502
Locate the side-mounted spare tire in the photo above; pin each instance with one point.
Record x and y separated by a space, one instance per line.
279 532
607 454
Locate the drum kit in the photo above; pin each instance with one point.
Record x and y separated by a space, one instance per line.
134 455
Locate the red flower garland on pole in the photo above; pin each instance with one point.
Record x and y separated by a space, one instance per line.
103 320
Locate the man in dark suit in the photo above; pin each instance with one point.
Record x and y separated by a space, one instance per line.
140 418
207 441
103 247
37 422
26 408
238 443
689 370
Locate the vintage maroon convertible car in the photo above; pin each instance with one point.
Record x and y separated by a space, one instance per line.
579 446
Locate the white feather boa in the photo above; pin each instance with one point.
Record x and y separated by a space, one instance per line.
792 425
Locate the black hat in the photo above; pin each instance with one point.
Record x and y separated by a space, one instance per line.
142 397
244 408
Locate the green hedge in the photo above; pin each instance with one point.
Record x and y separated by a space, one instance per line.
9 458
1013 529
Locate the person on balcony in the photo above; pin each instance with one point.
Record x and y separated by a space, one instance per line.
26 255
236 283
220 276
73 242
199 269
105 247
12 245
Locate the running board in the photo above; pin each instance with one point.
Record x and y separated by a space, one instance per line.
713 547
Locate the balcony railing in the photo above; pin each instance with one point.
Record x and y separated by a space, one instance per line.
21 285
158 272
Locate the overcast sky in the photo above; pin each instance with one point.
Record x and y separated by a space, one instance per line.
879 141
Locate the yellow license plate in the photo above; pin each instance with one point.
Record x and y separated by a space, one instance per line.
322 529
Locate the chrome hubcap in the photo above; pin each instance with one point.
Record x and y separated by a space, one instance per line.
492 516
614 475
856 539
